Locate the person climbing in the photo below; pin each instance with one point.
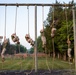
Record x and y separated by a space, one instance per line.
4 49
53 30
43 38
14 38
27 37
29 40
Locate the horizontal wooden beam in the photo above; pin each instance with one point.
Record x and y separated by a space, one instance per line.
29 4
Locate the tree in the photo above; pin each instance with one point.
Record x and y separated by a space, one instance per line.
12 49
60 40
20 48
39 44
31 50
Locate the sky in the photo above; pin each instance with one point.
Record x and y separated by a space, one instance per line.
22 19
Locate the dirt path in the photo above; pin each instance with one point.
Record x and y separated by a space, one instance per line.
40 72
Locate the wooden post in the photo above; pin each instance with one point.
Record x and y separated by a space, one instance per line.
32 4
74 28
35 48
1 37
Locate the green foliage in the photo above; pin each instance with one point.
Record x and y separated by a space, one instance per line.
62 34
20 48
39 43
48 38
64 28
31 50
12 48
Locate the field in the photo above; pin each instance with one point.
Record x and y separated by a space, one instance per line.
27 64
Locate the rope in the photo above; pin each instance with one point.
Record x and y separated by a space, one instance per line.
53 41
49 70
53 14
16 18
43 17
68 41
27 73
66 20
5 22
45 43
47 60
28 17
14 36
19 52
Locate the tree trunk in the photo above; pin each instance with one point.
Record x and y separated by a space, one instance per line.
64 56
54 54
58 55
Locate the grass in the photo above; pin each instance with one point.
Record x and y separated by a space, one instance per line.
28 64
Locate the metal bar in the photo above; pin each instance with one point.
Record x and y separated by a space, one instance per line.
74 28
35 48
33 4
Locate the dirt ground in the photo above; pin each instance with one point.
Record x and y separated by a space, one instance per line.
40 72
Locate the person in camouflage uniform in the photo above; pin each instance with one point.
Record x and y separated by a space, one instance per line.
4 49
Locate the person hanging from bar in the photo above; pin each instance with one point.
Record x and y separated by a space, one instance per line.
32 42
53 30
68 42
43 38
69 49
29 40
4 49
69 52
27 37
15 38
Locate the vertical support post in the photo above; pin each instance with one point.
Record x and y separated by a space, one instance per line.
0 43
74 28
35 48
0 47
